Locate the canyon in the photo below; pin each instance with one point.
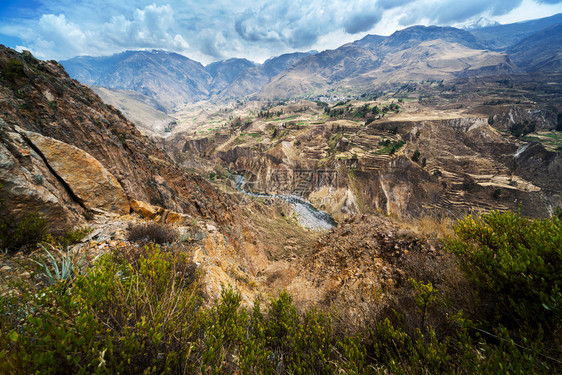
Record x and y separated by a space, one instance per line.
382 134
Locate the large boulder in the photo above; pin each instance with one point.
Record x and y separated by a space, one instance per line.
90 182
27 185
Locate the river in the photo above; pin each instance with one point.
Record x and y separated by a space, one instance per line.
308 216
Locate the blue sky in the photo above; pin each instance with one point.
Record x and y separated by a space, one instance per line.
207 30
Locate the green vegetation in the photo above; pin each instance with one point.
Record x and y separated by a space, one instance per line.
69 267
72 237
22 233
333 142
521 129
139 311
515 263
389 147
551 140
26 232
13 69
122 317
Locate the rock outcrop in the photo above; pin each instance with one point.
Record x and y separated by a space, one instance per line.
92 185
28 185
39 97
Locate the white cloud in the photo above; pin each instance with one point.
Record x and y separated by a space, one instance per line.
150 27
255 29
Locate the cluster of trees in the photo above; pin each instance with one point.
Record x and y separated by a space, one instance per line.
267 114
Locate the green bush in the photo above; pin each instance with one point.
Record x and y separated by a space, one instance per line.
515 262
115 319
141 313
14 68
72 237
24 233
279 340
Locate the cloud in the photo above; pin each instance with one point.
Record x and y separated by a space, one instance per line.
209 30
446 12
149 28
55 36
299 24
361 16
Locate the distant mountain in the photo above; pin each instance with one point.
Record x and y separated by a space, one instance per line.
502 37
226 71
480 23
254 79
415 53
172 79
542 51
414 35
168 77
320 70
140 109
371 42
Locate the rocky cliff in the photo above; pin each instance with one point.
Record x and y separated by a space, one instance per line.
414 163
65 152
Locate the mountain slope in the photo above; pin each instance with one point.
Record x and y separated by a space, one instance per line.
46 116
542 51
414 35
317 71
138 108
254 79
170 78
226 71
415 53
502 37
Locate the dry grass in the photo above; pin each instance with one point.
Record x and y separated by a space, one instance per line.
430 226
152 232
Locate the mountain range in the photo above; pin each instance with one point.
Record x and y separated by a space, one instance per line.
416 53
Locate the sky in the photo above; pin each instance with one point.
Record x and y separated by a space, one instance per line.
211 30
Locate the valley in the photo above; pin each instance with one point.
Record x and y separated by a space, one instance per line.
348 188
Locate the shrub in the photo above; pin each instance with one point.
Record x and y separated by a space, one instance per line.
14 68
277 341
115 319
515 263
72 237
153 232
24 233
70 265
138 311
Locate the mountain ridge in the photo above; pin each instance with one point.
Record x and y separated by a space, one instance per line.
180 81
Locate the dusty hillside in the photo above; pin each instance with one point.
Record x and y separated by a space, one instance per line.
357 68
143 111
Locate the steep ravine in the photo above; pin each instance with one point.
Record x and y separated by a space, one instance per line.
308 215
463 165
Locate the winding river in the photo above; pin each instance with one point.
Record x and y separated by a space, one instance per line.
308 215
